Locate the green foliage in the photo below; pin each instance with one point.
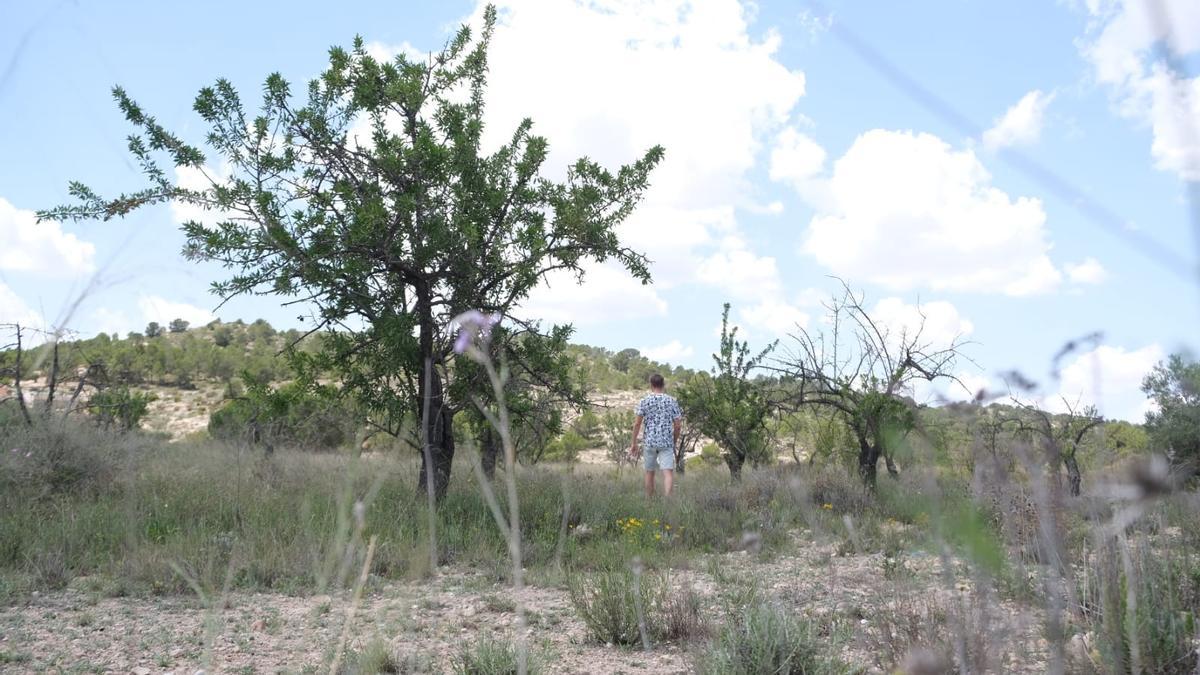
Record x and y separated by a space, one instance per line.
623 359
120 407
67 457
182 359
178 326
1165 589
618 433
710 456
290 415
492 657
378 657
614 604
397 233
1124 439
565 448
764 638
587 425
729 406
599 368
1174 427
144 506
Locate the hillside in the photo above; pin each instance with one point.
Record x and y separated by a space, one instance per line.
191 372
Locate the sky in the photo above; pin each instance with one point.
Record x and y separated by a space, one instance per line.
1016 173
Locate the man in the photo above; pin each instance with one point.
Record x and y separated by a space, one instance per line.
659 414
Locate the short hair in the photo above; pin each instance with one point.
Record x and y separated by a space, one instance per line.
657 381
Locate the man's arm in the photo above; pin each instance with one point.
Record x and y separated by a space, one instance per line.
637 428
676 426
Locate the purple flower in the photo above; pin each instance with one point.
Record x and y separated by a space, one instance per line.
29 454
16 450
471 324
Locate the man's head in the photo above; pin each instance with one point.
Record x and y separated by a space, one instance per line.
656 382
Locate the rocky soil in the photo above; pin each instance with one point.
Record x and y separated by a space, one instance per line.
76 630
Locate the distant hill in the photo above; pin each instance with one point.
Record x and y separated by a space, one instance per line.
190 370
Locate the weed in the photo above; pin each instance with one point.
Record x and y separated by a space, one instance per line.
763 638
492 657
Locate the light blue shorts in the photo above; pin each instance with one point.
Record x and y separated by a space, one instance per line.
658 459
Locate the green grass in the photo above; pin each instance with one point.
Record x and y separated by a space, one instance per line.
149 517
764 638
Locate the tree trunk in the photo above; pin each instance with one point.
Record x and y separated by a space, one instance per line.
489 451
734 462
1073 475
17 382
891 466
438 433
441 437
51 382
868 461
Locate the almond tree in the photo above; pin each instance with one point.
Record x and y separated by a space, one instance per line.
1060 435
864 371
389 232
730 405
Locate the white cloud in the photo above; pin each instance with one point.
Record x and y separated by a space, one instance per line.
776 317
939 322
41 248
105 320
157 308
384 52
671 352
1109 378
607 294
908 211
1090 271
631 74
974 384
1021 124
14 310
1121 44
738 271
796 158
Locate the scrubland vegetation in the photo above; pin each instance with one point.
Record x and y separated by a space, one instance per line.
1002 537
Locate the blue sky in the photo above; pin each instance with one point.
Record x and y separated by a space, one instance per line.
789 159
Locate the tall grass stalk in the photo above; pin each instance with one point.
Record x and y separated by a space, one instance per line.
361 584
512 529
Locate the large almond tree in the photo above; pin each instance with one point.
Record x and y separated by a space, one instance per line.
390 231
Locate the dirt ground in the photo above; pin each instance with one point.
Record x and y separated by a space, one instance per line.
77 631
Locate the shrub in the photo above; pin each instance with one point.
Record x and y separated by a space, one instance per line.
609 603
587 425
762 638
491 657
682 617
377 657
710 455
565 448
1165 587
290 415
842 492
61 456
120 407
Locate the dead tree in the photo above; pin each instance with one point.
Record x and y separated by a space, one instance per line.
864 371
16 372
1060 435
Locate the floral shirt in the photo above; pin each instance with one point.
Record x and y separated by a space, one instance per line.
658 411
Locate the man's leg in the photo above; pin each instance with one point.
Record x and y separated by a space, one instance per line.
668 481
649 482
